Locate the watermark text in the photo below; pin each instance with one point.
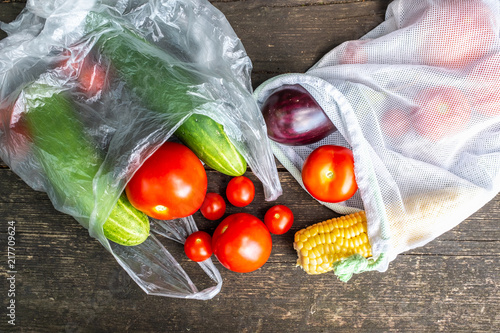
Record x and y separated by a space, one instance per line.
11 272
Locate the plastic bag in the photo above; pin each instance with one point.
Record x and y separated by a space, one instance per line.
73 127
417 100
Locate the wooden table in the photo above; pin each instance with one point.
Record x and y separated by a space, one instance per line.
67 282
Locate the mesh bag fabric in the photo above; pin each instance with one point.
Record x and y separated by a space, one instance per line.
417 99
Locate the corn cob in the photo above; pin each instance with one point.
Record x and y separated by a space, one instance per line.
320 245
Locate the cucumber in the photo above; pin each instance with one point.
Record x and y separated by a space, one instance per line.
163 85
200 128
70 162
126 225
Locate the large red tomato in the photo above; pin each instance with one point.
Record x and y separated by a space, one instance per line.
328 173
443 111
485 77
170 184
456 33
242 243
395 123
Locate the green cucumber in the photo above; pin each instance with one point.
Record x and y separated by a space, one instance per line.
126 225
200 128
70 162
163 85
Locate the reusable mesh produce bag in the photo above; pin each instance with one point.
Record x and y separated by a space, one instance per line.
417 99
90 89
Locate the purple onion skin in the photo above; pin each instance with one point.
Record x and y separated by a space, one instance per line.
294 118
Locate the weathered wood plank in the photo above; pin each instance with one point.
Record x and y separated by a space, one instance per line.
400 300
282 38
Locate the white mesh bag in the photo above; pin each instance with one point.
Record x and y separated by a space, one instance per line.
417 99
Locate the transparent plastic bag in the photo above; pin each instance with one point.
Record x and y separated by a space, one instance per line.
416 99
81 112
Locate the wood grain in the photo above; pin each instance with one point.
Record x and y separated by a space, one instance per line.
67 282
290 36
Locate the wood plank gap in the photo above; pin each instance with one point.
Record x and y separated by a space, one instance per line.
448 255
268 72
307 4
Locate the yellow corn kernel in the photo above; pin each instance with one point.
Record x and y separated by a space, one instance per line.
320 245
328 238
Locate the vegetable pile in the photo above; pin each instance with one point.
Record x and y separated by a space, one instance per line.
294 118
242 243
172 182
169 181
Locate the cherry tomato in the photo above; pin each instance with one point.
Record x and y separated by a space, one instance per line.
242 243
328 173
240 191
91 75
92 78
68 65
456 33
443 111
278 219
170 184
198 246
214 206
